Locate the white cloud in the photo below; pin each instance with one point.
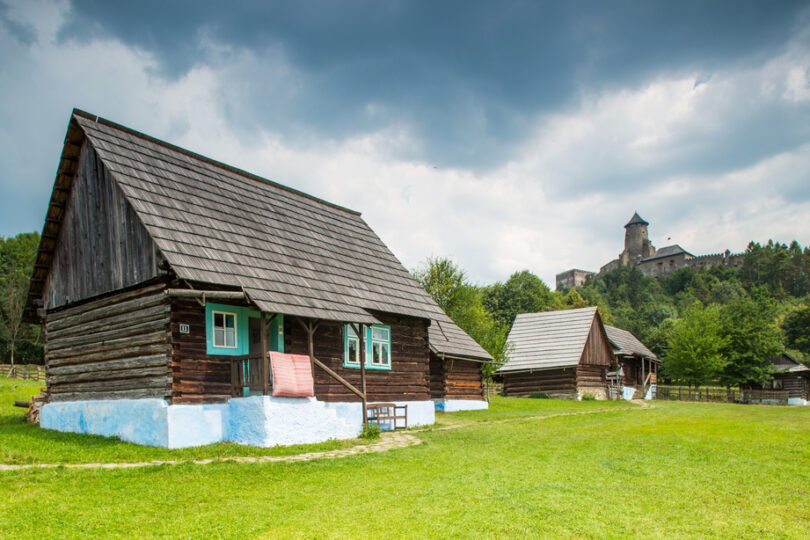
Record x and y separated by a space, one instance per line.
559 203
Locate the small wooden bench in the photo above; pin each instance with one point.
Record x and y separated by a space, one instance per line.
389 416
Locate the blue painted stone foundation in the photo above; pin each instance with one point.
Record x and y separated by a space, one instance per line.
455 405
256 420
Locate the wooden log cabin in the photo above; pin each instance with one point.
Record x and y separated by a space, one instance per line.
456 381
562 354
636 374
791 376
166 280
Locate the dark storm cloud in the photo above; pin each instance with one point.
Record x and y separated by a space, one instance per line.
465 77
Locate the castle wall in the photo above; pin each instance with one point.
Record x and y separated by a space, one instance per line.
573 278
638 251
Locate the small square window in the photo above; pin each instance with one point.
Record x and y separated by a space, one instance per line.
224 329
377 347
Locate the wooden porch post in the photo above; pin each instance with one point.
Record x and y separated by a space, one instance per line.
265 361
643 379
358 329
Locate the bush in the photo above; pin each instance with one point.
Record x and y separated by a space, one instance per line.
538 395
588 396
370 431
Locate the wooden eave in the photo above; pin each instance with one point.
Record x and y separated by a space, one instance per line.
68 163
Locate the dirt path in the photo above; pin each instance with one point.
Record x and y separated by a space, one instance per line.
388 441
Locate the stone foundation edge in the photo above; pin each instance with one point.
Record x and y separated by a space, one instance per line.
456 405
256 420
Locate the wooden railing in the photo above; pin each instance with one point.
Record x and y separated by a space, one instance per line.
26 372
246 376
722 395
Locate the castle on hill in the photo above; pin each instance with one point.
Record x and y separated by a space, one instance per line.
640 253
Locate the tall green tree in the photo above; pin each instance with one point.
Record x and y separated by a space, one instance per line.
523 292
796 327
447 283
17 256
695 347
750 326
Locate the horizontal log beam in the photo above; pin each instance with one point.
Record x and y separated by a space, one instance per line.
110 345
214 295
110 323
52 346
104 312
118 394
160 381
112 365
91 376
103 302
127 352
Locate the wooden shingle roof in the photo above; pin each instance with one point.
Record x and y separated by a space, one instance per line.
547 340
785 363
290 252
626 344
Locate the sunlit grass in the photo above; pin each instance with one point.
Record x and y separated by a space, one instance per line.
676 470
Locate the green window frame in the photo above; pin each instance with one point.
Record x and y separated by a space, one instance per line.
378 347
351 348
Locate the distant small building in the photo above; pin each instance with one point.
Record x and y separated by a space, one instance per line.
640 253
792 376
562 354
573 278
637 369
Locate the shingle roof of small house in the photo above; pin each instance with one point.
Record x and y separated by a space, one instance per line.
785 363
290 252
625 343
548 340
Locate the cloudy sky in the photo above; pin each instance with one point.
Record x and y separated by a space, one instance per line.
506 135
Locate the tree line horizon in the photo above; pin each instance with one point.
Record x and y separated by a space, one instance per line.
710 326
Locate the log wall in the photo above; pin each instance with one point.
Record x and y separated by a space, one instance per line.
455 379
630 369
560 382
437 387
795 385
102 246
111 348
591 377
407 380
200 378
196 376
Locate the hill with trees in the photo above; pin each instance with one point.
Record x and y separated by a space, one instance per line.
716 325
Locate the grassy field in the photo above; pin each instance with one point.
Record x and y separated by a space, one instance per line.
677 469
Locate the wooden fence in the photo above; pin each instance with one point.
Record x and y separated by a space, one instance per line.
722 395
26 372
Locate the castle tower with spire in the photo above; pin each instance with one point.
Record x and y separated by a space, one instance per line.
637 244
641 254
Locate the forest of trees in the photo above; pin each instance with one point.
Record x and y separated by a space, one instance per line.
20 342
714 326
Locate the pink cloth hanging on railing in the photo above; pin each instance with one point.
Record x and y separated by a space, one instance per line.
292 375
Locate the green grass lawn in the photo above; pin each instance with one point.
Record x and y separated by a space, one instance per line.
679 469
